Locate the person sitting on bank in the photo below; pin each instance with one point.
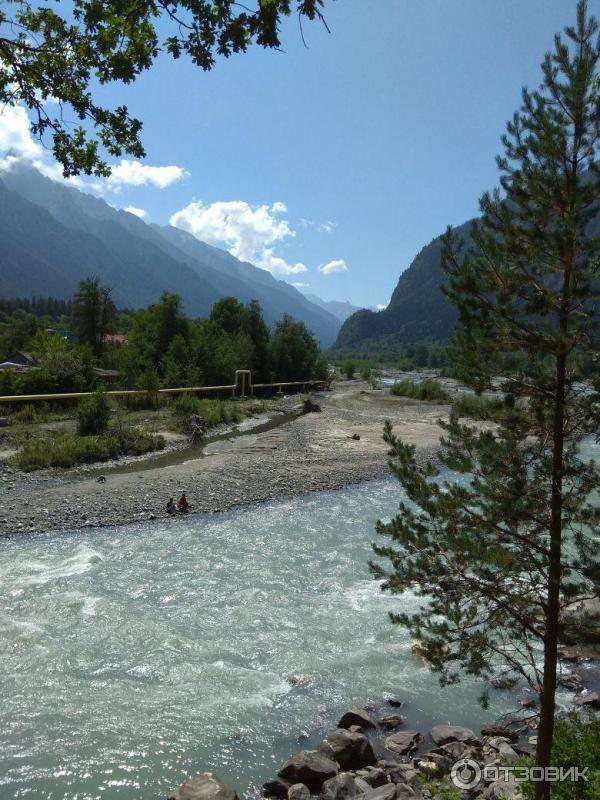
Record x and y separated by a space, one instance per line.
182 504
171 507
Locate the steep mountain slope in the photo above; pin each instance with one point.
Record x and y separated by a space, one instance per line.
341 309
417 311
53 236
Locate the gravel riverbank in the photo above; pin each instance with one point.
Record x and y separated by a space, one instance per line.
311 453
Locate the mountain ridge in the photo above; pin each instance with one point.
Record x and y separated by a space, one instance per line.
55 235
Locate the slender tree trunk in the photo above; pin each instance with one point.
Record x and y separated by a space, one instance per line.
548 692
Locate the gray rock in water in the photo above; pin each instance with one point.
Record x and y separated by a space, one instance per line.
590 699
342 787
204 787
349 749
391 722
356 716
309 767
442 734
404 742
299 791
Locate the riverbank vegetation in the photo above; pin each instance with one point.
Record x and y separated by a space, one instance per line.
428 389
100 428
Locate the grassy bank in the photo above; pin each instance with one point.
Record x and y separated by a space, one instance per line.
427 389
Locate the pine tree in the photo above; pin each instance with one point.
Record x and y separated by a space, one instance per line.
500 551
93 313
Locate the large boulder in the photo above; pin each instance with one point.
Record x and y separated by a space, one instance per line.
310 767
349 749
356 716
342 787
442 734
402 743
205 786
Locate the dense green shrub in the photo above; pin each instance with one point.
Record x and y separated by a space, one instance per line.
348 369
471 405
576 744
93 414
68 450
214 412
429 389
24 415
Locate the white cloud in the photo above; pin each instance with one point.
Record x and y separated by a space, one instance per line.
134 173
15 135
248 232
338 265
322 227
137 212
17 145
301 285
381 306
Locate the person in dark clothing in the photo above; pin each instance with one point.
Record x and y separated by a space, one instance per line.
182 504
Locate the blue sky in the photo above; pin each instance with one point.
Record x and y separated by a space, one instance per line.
348 156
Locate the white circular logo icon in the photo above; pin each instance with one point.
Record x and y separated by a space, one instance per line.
466 773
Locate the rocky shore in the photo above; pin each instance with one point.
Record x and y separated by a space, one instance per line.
366 758
317 451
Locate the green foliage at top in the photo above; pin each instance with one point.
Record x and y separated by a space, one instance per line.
93 414
428 389
576 744
48 55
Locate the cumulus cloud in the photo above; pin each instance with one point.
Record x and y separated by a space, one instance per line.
137 212
339 265
133 173
17 145
248 232
381 306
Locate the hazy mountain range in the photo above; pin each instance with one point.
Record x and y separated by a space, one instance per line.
54 235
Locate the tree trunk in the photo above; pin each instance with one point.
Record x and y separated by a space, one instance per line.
548 692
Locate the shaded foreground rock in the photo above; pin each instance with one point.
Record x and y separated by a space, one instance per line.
299 791
205 786
442 734
342 787
404 742
309 767
349 749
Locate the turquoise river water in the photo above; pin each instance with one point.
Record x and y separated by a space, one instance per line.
134 657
